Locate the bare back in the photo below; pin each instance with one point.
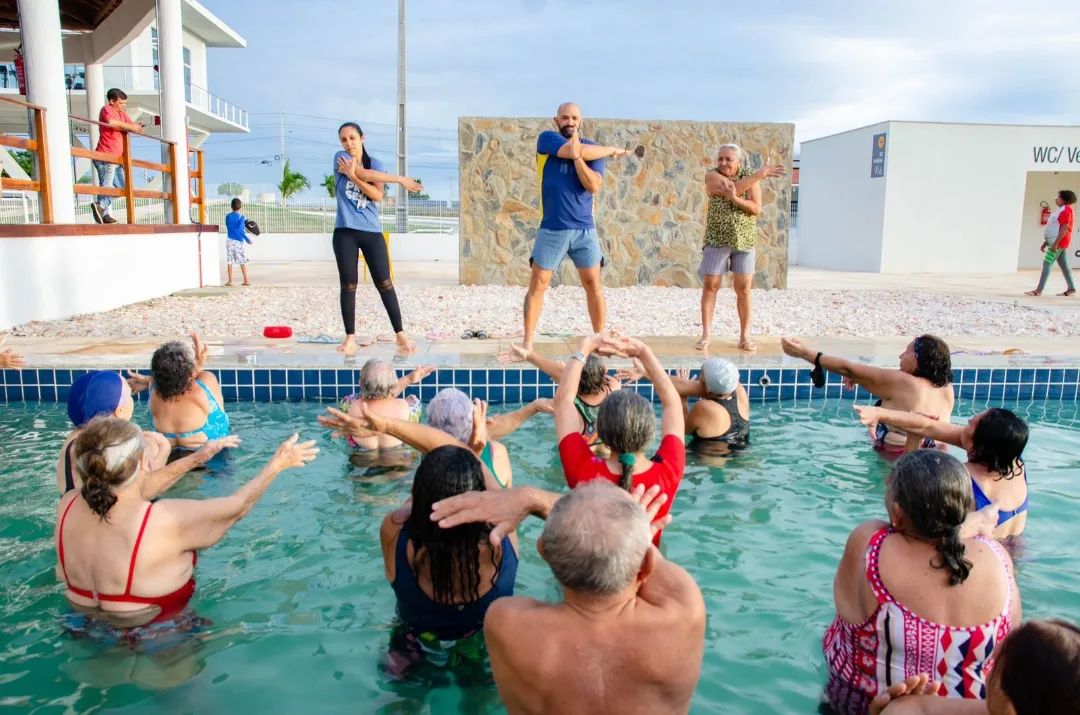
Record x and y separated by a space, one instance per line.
389 408
643 658
922 398
187 413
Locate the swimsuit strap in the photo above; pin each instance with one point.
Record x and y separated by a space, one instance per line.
209 396
135 551
873 573
999 551
69 475
487 456
60 539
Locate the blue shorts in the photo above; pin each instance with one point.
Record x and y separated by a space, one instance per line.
552 246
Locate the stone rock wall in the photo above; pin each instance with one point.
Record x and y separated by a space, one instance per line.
650 212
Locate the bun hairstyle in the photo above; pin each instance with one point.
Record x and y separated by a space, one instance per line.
934 491
107 454
364 158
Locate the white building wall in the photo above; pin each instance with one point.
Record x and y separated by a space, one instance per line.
841 209
198 59
49 278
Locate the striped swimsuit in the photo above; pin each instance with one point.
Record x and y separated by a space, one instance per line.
894 644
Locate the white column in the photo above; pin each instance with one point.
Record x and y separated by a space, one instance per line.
43 52
173 106
95 97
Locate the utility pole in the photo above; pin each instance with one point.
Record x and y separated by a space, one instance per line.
402 212
281 134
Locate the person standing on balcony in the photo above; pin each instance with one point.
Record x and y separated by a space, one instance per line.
358 187
571 171
114 121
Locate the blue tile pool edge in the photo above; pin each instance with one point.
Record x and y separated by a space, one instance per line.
503 384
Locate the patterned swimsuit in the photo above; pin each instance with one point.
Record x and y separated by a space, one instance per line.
894 644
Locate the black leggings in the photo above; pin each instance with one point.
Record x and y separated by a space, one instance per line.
348 243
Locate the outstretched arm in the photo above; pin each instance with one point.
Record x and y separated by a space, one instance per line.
413 378
501 425
913 423
160 480
880 381
767 171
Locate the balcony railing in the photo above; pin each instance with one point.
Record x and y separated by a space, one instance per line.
139 78
213 104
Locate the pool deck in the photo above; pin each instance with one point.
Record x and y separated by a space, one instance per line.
675 351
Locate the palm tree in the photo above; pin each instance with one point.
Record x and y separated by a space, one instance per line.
328 184
292 183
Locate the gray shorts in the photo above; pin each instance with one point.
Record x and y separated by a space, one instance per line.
718 260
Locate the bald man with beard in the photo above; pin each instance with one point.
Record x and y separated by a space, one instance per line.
571 170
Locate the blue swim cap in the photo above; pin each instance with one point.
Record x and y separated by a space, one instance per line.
95 393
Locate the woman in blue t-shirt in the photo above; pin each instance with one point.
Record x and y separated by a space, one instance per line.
358 184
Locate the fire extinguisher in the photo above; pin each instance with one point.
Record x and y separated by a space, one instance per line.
20 71
1044 217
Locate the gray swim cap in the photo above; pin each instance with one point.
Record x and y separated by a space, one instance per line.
452 411
721 377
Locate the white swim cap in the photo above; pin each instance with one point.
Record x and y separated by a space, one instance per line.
721 377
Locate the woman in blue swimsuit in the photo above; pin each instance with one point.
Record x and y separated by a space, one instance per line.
994 441
186 404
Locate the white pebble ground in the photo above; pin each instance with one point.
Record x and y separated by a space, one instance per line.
445 312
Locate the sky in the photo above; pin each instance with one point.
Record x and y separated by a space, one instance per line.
826 66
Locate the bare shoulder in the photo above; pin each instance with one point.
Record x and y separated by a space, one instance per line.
859 538
209 378
506 616
499 451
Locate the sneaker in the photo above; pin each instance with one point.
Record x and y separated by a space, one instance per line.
108 219
96 210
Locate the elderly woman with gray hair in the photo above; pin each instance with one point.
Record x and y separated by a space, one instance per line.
380 391
730 236
626 424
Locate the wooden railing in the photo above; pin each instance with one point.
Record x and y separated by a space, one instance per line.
125 160
38 146
196 174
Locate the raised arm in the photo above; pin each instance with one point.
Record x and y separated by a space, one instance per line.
413 378
880 381
767 171
566 416
551 368
201 523
913 423
160 480
672 421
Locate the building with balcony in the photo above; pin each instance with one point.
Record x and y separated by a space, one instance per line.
132 65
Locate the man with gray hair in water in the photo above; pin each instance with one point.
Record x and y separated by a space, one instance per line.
629 634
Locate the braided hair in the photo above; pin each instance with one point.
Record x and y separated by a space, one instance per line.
107 454
625 422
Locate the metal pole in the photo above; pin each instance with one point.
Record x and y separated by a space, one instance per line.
402 212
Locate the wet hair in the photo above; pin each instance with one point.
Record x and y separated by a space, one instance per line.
107 453
114 94
364 158
172 365
377 380
932 360
452 556
595 538
1069 197
452 411
1038 668
626 424
999 440
235 204
593 376
934 491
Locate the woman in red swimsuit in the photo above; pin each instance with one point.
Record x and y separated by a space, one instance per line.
130 562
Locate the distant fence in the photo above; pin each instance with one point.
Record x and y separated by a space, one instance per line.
311 213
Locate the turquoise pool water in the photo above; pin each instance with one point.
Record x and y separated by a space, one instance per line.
302 613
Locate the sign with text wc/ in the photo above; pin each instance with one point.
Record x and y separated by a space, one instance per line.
877 157
1050 154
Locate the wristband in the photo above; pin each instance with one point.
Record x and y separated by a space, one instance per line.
579 356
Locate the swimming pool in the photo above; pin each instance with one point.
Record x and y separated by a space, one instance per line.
302 613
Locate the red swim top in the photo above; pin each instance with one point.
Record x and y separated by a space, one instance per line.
170 604
580 465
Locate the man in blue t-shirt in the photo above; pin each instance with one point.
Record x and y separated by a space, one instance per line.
571 170
235 224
